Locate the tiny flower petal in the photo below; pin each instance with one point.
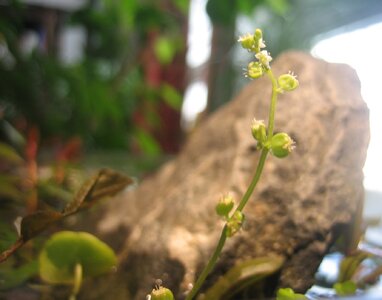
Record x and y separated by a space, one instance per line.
264 58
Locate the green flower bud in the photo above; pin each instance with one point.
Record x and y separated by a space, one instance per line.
288 82
247 41
234 223
281 145
254 70
161 293
258 40
259 131
258 34
225 205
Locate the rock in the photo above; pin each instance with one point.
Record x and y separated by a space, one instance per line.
167 227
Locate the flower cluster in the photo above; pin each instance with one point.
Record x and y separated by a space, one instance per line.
280 145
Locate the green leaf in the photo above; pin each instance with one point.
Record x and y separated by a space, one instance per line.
289 294
14 277
165 49
345 288
9 154
182 5
105 183
8 187
66 249
147 143
243 275
171 96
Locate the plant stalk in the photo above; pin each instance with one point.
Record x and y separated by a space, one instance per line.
259 169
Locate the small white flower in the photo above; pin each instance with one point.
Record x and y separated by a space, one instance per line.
262 43
264 58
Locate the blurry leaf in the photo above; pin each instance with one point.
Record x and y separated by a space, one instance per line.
171 96
33 224
165 49
104 183
65 249
9 154
280 7
11 278
8 187
12 134
243 275
49 189
147 143
350 264
8 236
345 288
182 5
289 294
247 6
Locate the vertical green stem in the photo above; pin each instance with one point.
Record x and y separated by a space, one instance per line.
260 166
272 108
255 180
210 265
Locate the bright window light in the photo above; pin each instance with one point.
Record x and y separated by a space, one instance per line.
195 101
361 49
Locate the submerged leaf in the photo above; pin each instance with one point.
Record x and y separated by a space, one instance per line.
243 275
66 249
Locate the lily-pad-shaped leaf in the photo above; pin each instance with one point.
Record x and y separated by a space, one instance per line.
105 183
66 249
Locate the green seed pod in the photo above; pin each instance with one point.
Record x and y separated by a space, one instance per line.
254 70
225 205
234 223
281 145
259 132
161 293
288 82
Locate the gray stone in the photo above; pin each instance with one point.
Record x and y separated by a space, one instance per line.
167 227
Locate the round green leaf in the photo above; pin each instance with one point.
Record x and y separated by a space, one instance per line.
65 249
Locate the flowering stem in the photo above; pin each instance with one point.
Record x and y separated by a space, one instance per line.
210 265
254 181
252 43
272 108
259 169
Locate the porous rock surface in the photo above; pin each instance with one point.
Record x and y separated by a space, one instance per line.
167 227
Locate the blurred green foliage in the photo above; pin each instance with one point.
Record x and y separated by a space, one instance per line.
97 97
